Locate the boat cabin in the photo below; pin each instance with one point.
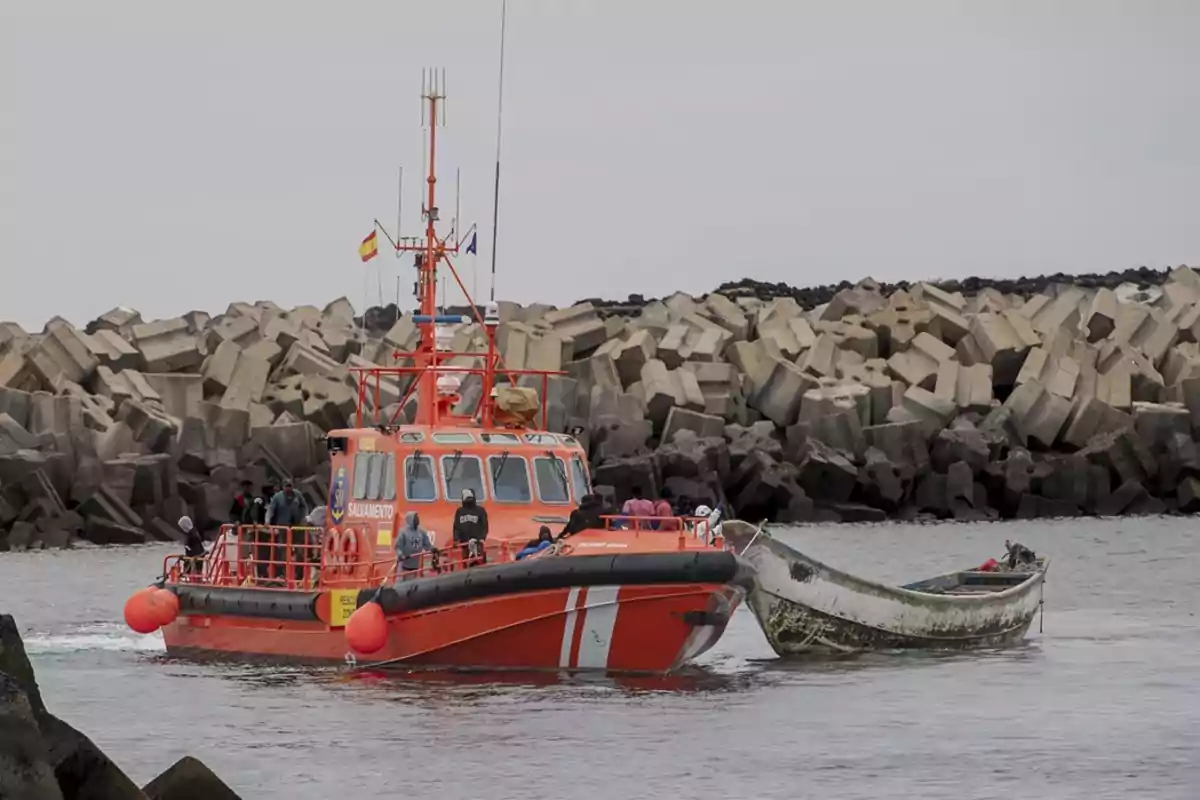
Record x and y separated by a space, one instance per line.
524 479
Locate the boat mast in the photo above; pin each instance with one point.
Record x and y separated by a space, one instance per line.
429 253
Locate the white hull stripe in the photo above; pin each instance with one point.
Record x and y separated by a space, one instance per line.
600 617
564 653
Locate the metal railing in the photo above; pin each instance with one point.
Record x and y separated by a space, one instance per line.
295 558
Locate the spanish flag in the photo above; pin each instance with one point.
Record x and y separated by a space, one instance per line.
368 249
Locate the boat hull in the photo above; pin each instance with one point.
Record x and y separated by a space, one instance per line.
806 607
611 628
609 613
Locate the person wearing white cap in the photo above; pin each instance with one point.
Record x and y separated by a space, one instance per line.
470 525
193 545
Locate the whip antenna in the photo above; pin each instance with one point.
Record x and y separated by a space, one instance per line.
499 118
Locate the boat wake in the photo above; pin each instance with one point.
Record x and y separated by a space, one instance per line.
103 636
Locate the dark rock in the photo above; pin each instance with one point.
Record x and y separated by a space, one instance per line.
188 779
625 473
1123 497
14 662
759 437
826 473
25 770
884 484
1032 506
690 456
1147 506
974 447
83 771
20 535
104 531
857 512
930 495
904 443
1188 494
1123 454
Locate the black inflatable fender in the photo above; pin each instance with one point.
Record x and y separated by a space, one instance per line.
562 572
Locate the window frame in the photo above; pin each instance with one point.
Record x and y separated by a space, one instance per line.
389 479
433 474
587 478
492 480
564 480
454 437
501 439
362 471
483 493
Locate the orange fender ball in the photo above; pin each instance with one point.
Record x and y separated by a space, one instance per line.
366 630
138 614
163 606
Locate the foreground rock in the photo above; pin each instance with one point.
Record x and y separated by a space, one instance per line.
44 758
968 400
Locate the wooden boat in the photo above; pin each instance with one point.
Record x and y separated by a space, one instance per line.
804 606
637 596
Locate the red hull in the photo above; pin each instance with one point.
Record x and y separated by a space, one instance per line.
646 628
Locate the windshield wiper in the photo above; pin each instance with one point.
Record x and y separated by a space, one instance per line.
562 473
412 470
500 467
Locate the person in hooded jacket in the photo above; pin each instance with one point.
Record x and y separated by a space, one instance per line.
193 547
411 541
585 517
545 539
470 522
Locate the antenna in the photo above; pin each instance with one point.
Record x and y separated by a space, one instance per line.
457 211
499 118
399 206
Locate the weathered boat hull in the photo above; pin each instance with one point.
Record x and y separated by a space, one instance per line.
806 607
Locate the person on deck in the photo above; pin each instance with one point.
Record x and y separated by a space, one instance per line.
586 517
193 547
663 508
1018 554
544 540
287 508
308 545
241 513
411 542
262 538
470 524
637 506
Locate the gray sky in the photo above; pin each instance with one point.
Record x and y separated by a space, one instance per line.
172 156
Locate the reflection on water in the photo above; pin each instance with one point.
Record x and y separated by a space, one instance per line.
1102 704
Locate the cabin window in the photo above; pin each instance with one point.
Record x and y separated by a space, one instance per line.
412 437
419 483
579 478
454 438
389 478
362 463
540 438
569 441
551 475
510 478
463 472
500 438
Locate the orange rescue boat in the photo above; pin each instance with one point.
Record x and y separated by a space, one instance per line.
624 595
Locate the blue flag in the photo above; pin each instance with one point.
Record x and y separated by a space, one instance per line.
471 247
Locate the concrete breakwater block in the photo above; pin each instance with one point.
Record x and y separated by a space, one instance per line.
112 430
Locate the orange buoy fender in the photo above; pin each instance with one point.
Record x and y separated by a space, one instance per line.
163 606
138 614
366 630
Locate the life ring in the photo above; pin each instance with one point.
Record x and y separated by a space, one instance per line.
349 552
333 552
